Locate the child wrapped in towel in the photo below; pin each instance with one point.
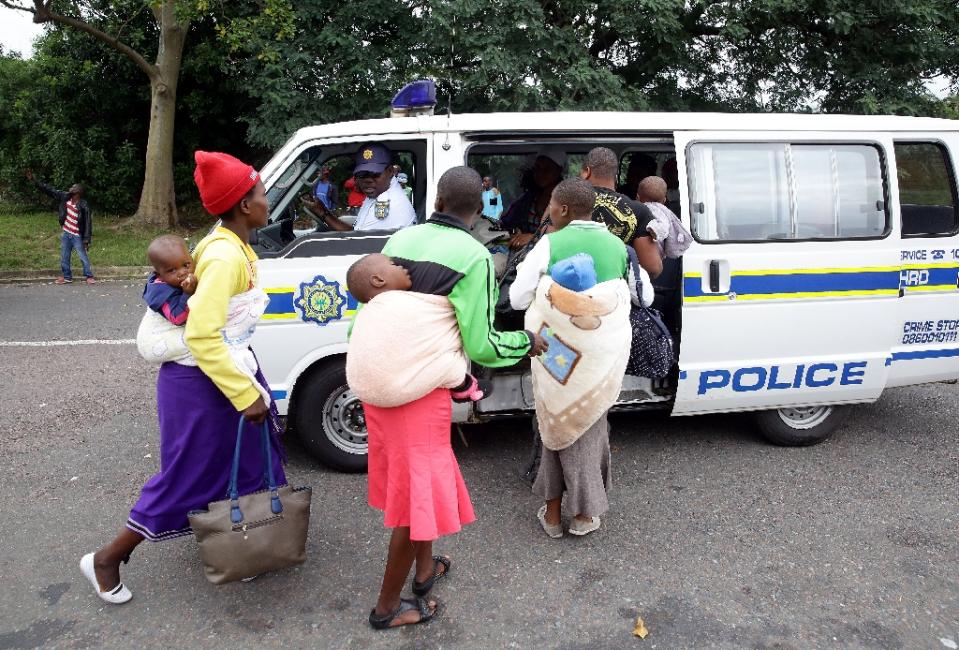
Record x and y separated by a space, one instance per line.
588 331
420 351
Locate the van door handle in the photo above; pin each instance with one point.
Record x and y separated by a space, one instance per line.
714 276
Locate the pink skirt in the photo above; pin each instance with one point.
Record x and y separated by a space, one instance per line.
413 475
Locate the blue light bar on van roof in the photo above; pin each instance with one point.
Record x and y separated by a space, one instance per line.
416 98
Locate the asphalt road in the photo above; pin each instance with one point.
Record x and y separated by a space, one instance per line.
715 538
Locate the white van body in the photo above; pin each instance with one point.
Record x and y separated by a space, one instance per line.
806 286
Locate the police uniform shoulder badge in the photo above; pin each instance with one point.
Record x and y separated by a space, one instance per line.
320 301
382 209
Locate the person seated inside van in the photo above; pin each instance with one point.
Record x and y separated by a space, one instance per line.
671 176
524 215
640 166
386 206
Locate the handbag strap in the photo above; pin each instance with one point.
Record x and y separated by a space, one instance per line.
521 254
634 263
657 321
236 515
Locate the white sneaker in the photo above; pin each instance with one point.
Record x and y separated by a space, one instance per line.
553 530
116 596
578 527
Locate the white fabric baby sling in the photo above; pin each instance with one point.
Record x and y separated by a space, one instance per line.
159 340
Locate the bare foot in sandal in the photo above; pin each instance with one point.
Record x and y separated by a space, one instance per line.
408 612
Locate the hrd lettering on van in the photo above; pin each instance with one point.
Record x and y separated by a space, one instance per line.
757 378
914 278
823 270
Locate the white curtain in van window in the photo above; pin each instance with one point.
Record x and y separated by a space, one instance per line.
774 191
838 191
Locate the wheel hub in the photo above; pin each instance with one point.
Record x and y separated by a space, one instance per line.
344 421
804 417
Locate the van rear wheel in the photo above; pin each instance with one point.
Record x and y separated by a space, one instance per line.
329 419
799 426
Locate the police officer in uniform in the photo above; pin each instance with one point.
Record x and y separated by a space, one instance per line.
386 206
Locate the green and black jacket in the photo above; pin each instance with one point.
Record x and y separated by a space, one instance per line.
444 259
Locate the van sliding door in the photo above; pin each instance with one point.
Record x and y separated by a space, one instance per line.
927 343
790 288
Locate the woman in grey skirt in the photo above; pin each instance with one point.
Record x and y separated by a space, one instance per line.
582 472
574 284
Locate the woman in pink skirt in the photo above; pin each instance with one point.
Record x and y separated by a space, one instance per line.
413 475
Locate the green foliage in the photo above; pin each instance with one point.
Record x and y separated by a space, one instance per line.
344 61
78 111
56 124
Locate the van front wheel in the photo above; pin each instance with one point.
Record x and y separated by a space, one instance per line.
329 419
799 426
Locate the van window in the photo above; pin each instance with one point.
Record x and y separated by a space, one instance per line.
927 190
779 191
290 214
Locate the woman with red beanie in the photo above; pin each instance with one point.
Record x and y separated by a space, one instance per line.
199 405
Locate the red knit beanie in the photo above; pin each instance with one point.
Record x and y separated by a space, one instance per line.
222 179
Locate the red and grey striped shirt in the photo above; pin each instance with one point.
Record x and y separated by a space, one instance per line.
71 224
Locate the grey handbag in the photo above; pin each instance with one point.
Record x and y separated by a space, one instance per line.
244 536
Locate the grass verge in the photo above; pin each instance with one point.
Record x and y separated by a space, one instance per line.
30 239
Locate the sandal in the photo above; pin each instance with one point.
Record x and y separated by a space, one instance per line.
406 605
423 588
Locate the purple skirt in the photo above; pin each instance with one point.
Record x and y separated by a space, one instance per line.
197 438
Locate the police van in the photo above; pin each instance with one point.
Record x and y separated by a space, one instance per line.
824 267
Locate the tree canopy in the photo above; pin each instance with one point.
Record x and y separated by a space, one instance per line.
79 110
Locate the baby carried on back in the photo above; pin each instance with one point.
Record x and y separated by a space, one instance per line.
161 336
403 343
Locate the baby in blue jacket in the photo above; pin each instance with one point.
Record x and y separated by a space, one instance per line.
172 282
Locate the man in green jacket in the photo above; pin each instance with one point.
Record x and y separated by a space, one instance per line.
444 259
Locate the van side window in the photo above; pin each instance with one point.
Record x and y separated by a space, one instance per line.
927 190
775 191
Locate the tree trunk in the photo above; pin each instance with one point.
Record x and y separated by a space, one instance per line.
157 201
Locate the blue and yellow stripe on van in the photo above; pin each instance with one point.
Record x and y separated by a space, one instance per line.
798 284
936 276
282 305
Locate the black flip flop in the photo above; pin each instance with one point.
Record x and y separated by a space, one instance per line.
423 588
406 605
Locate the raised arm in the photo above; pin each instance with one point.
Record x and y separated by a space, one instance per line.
49 190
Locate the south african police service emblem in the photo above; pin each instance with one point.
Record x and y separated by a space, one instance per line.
320 301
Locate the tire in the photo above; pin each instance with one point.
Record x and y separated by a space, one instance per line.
329 420
799 426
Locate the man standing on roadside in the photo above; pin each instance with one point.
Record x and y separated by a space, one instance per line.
492 199
77 225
